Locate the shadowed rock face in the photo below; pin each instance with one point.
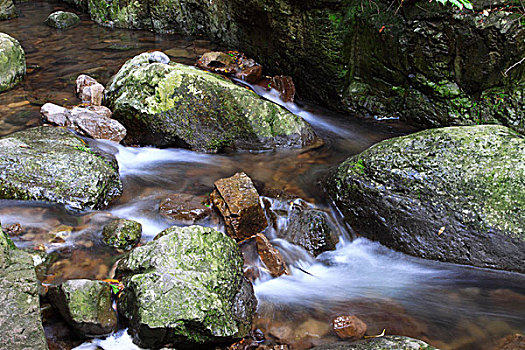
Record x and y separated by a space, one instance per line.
52 164
177 105
20 323
186 288
453 194
7 9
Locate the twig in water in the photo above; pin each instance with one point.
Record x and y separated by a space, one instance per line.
513 66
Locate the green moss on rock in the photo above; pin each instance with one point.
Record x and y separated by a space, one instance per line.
122 234
469 180
186 287
12 62
62 20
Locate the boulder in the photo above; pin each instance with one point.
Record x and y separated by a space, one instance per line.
271 257
13 62
453 194
238 202
310 228
7 10
186 287
20 323
349 327
177 105
86 306
91 121
184 207
122 234
89 90
62 20
52 164
390 342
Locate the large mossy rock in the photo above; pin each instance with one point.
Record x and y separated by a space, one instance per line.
86 306
52 164
7 9
20 323
426 63
177 105
393 342
186 288
12 62
453 194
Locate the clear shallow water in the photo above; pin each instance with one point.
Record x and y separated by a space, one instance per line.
453 307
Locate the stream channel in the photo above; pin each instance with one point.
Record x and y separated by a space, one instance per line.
450 306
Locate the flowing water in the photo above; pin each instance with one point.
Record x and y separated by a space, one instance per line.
450 306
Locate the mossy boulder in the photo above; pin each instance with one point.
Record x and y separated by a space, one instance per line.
122 234
392 342
62 20
453 194
52 164
7 9
177 105
86 306
12 62
20 323
186 288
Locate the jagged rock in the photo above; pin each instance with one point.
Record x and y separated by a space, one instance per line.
271 257
91 121
184 207
186 287
310 229
177 105
454 194
122 234
52 164
89 90
7 9
62 20
238 202
86 306
13 67
349 327
20 323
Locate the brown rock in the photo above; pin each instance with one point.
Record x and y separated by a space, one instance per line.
285 86
238 202
14 230
184 207
511 342
271 257
89 90
250 75
349 327
218 62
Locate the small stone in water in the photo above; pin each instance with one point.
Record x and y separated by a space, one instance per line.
349 327
271 257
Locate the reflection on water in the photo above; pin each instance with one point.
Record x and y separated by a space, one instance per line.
453 307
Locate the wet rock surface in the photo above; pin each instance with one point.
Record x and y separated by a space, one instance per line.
349 327
511 342
392 342
453 194
20 323
91 121
13 67
52 164
285 86
184 207
122 234
238 202
86 306
232 63
7 10
186 288
182 106
62 20
271 257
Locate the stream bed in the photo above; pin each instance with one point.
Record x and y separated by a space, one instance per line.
450 306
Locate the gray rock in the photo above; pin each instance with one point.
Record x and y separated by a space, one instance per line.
122 234
158 57
453 194
62 20
178 105
186 287
86 306
89 90
52 164
20 323
7 10
13 62
392 342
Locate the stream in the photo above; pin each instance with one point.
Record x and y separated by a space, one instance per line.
449 306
